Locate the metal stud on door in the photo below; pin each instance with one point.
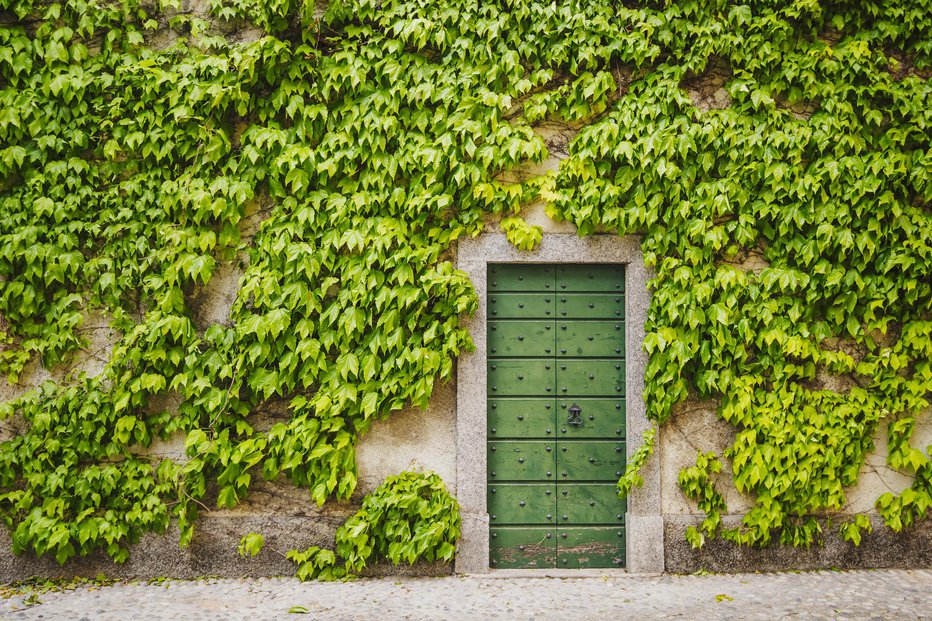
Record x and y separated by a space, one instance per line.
556 415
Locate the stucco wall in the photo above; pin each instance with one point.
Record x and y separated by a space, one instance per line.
428 439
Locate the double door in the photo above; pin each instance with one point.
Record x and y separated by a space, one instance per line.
556 415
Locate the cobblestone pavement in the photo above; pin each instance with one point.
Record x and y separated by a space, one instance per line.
887 594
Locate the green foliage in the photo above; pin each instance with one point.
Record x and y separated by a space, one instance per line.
409 517
250 544
368 139
522 235
632 477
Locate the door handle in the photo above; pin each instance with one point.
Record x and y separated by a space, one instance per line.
574 418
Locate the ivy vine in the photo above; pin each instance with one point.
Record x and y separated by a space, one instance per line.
135 141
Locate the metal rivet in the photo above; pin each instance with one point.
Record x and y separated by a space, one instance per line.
618 299
563 351
520 277
495 388
494 536
549 517
494 406
547 407
617 449
521 548
618 313
521 504
563 285
548 432
546 299
549 388
493 328
591 503
520 377
563 367
563 389
565 492
549 535
564 314
494 312
617 350
548 492
618 285
563 405
591 338
493 430
494 517
549 474
564 474
521 417
565 517
549 448
618 473
617 327
591 305
494 350
520 338
493 473
493 299
564 431
547 328
494 367
564 536
591 417
547 351
547 367
493 449
592 460
520 305
618 367
618 432
617 406
520 460
591 376
563 327
619 516
547 312
617 388
563 448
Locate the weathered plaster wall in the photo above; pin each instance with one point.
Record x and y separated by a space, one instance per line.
428 439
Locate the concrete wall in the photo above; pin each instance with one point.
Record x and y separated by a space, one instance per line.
429 439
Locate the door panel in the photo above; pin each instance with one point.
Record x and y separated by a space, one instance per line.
591 378
520 378
521 461
521 305
591 339
599 418
590 503
519 337
590 460
590 306
592 277
522 547
533 503
521 277
521 418
591 546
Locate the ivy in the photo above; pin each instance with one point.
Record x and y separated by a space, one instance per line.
138 149
409 517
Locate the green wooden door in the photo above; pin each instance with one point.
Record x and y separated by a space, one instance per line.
556 415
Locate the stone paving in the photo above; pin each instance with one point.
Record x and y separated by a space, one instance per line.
881 594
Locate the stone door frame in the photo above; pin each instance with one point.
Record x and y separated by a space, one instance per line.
644 551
